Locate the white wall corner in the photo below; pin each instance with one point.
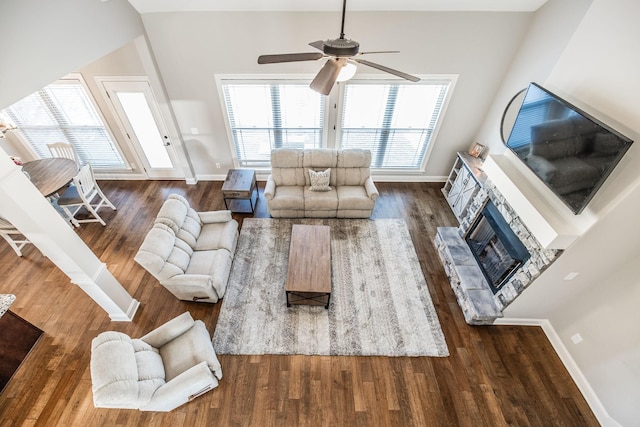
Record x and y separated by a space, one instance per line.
574 370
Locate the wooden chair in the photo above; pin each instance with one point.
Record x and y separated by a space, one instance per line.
81 195
7 230
64 150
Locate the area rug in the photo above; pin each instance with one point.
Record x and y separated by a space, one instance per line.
380 304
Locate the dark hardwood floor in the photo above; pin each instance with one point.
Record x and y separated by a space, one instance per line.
495 375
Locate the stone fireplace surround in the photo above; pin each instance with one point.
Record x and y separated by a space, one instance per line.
471 289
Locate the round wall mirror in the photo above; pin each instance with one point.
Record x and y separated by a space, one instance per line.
510 114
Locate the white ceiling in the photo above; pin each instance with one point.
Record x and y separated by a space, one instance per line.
149 6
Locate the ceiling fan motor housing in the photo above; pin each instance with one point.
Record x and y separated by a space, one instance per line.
341 47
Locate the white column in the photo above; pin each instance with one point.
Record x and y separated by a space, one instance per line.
22 204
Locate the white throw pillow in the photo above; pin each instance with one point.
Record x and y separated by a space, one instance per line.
320 180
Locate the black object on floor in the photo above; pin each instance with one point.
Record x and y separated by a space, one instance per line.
17 338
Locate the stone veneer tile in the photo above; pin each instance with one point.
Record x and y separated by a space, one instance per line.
540 258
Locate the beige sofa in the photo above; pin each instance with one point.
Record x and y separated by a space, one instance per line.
352 195
189 252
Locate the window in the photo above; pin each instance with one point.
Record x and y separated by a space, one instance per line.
263 116
63 112
395 121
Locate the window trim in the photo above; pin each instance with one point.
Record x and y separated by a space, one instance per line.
380 79
26 145
333 109
222 79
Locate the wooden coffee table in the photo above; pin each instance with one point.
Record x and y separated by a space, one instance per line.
309 273
240 185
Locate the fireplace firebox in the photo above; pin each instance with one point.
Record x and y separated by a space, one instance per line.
496 247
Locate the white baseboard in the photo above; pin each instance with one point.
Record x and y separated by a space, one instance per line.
578 377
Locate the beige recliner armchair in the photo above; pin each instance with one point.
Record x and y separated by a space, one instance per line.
189 252
164 369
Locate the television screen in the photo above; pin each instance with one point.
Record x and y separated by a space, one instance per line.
570 151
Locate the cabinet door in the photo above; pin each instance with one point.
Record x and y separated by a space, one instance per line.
460 185
468 192
456 188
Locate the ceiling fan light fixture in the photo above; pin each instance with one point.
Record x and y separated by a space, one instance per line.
347 72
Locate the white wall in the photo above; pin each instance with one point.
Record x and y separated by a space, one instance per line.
551 29
599 70
191 48
44 40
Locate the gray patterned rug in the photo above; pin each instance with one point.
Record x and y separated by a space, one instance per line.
380 304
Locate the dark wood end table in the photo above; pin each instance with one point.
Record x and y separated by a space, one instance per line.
240 185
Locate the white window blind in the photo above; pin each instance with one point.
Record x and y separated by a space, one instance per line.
394 121
266 116
63 112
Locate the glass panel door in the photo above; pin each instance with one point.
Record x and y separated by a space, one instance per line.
139 115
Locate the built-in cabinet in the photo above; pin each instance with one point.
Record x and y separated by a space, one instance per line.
472 291
464 181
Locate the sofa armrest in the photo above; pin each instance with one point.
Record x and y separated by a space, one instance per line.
185 387
190 286
371 189
214 216
170 330
270 188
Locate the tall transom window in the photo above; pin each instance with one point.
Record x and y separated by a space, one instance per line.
64 112
396 120
263 116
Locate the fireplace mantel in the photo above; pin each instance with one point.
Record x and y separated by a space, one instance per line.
548 219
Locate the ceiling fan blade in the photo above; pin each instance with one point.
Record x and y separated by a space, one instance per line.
289 57
379 51
326 77
318 45
387 70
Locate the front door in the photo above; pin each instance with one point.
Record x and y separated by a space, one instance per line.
139 115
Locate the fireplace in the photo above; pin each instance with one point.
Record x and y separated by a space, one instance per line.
496 247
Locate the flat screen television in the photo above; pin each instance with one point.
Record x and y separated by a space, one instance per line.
569 150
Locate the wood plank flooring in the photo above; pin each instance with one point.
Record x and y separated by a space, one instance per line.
495 375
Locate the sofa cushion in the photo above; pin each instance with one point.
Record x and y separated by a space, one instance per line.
157 247
185 222
286 158
218 235
288 197
351 176
319 180
188 350
150 369
319 158
114 387
288 176
353 197
354 158
320 200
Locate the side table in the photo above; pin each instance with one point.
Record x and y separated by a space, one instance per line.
240 185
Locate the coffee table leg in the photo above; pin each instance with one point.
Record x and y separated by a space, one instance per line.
288 303
328 301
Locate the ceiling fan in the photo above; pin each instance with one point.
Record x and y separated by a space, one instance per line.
342 53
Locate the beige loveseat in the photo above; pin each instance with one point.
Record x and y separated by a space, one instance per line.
352 194
190 252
